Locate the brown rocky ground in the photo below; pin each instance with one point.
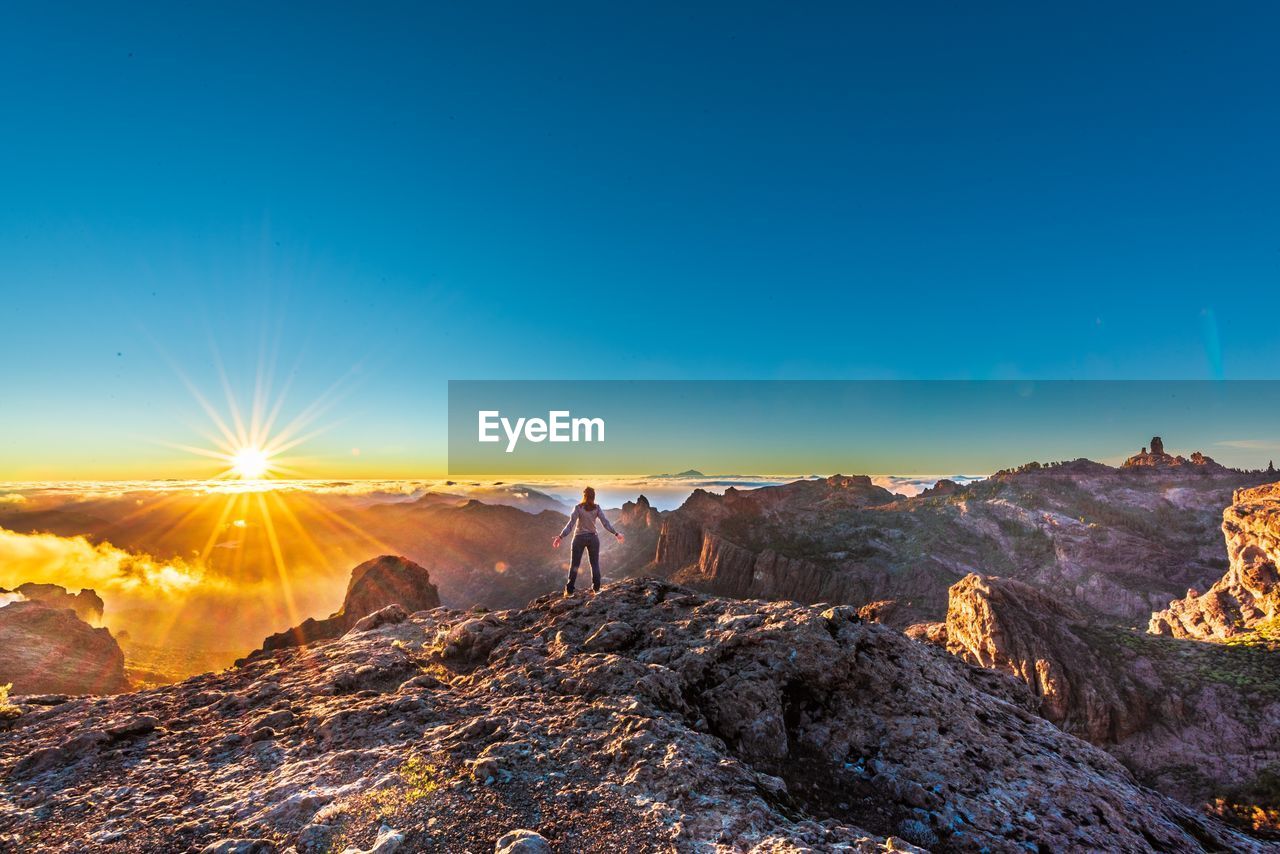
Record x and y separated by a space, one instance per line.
647 718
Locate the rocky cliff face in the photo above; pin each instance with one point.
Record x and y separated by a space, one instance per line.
639 515
1006 625
1248 596
1113 542
648 718
374 584
641 522
48 650
1195 720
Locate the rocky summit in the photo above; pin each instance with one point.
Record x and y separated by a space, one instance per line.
647 718
1157 457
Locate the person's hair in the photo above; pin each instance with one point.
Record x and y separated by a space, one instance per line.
589 498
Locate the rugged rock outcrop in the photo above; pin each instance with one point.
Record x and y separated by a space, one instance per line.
374 584
87 603
690 723
388 580
1197 721
1006 625
1114 542
639 515
946 486
641 522
50 650
1158 458
1249 594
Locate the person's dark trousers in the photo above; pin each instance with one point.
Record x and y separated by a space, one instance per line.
590 542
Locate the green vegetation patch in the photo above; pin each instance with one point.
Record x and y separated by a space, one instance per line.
8 711
1250 663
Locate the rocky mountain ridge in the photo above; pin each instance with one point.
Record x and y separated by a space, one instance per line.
1157 457
1117 543
86 604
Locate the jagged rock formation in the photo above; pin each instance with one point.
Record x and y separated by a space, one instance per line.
375 584
1114 542
725 545
946 486
641 522
87 604
49 650
1158 458
639 514
647 718
1249 594
1006 625
1196 720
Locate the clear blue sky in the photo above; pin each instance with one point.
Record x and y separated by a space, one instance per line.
435 191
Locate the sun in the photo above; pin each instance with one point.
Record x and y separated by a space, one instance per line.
250 463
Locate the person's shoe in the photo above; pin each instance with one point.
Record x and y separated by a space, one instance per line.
567 593
595 591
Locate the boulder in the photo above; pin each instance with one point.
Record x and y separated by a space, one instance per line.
375 586
522 842
49 650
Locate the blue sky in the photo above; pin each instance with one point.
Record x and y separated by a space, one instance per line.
423 192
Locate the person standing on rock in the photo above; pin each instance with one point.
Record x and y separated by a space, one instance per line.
583 521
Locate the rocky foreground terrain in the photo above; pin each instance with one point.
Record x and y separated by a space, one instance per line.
647 718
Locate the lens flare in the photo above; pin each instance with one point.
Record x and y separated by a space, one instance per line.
250 463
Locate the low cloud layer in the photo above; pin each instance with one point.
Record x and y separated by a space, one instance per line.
161 602
75 563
